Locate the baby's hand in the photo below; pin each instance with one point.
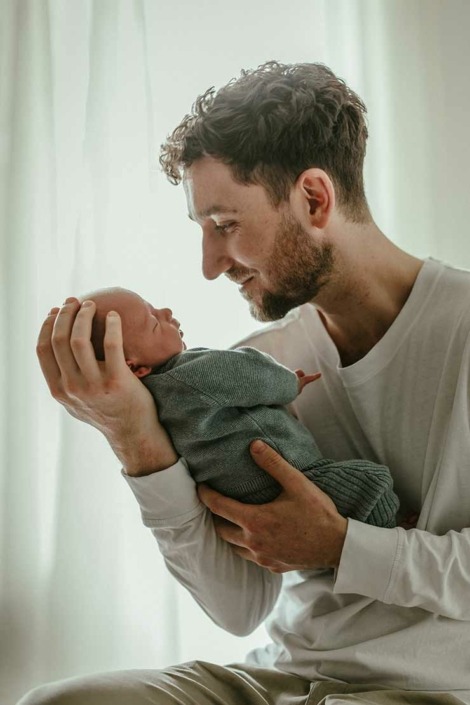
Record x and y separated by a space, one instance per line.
410 521
306 379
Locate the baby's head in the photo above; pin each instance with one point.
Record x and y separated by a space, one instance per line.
151 336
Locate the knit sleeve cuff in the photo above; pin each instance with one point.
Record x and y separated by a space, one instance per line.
166 498
369 557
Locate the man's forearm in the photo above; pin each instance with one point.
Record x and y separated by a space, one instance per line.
143 452
237 594
410 568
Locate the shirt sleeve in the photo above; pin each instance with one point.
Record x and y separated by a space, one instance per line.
242 377
236 594
411 568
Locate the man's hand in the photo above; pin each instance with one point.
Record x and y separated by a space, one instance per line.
104 394
300 530
306 379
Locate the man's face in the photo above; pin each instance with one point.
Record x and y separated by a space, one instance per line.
264 249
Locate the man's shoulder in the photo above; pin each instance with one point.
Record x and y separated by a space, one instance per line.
447 273
452 293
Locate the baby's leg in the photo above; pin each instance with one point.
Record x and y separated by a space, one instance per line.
360 489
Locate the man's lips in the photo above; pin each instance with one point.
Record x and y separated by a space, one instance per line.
245 283
239 281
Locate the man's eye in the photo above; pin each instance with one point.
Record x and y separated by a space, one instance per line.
223 228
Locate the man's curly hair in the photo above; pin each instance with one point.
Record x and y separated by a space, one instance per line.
271 124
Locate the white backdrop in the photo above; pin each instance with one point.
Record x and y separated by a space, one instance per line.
88 91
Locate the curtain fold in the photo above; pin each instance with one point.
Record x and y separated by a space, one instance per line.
88 90
30 172
75 188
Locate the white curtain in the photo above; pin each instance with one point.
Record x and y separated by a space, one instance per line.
88 91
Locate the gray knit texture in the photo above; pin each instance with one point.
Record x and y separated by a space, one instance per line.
213 403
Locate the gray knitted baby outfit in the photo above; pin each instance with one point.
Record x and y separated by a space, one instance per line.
213 403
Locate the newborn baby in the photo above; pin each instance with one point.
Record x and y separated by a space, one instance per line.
213 403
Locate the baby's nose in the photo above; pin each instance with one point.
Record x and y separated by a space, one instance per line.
167 312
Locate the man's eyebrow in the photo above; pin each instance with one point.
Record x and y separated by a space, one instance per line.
213 210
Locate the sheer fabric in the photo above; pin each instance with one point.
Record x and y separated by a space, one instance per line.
88 91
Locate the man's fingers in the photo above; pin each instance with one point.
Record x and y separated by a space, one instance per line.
228 508
82 348
113 345
45 353
236 538
80 342
61 338
267 459
229 532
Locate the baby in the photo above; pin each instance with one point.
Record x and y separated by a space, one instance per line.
213 403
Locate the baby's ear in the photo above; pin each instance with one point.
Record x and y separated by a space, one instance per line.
138 370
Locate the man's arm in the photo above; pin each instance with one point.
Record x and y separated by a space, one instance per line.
236 594
104 394
301 529
410 568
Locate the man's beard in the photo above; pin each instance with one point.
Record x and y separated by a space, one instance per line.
297 268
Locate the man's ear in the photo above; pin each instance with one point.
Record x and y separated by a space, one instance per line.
138 370
315 194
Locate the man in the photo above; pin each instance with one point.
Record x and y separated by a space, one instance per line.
272 169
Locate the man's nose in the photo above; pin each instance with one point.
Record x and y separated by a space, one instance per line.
215 259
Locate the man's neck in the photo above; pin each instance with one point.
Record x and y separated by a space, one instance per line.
370 286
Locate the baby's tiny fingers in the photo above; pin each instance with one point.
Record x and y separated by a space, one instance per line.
312 378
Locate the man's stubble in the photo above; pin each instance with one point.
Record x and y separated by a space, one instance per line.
297 269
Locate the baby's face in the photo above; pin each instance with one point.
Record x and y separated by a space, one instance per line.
151 336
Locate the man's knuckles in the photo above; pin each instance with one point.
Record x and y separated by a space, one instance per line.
111 343
60 340
43 348
79 343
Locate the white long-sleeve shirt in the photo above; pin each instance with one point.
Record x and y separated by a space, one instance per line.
397 610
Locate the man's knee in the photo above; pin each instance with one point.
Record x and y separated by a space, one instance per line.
99 689
51 694
131 687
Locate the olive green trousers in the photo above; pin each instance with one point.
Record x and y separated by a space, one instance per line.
201 683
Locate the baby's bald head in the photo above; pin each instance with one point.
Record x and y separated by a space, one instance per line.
115 298
150 336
